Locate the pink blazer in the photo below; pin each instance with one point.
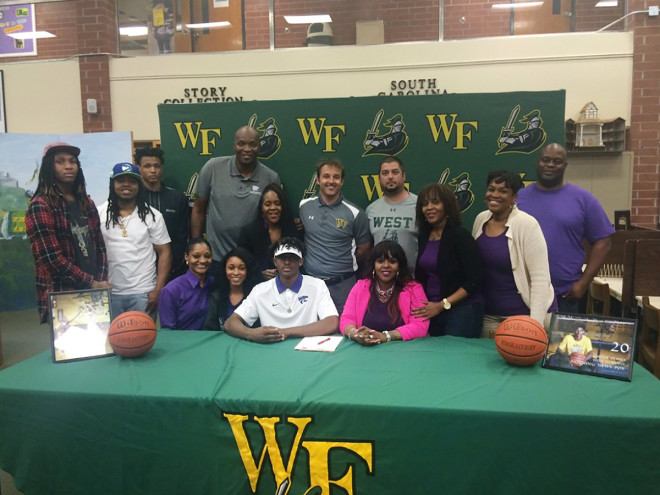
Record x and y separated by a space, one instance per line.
411 297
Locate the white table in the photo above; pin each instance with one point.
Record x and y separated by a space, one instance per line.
616 288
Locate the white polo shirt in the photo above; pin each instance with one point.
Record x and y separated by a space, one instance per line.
273 304
132 258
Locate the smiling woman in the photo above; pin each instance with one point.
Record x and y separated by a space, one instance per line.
380 306
449 265
273 222
237 278
184 302
516 271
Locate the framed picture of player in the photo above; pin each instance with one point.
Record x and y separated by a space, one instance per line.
79 322
592 345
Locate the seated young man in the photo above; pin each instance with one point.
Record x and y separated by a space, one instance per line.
289 305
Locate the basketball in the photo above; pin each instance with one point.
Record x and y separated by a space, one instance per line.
521 340
577 359
132 334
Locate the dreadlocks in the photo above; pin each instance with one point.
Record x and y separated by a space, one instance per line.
48 188
113 205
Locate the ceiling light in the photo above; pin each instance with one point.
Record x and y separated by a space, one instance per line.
207 25
31 35
607 3
307 19
134 31
518 5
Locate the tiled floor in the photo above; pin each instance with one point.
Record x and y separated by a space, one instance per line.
22 337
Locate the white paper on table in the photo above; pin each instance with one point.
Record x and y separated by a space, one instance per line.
319 344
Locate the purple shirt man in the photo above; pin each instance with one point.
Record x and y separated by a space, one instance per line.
567 215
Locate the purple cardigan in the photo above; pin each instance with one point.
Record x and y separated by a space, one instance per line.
411 297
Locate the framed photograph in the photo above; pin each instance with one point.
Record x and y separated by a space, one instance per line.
79 323
592 345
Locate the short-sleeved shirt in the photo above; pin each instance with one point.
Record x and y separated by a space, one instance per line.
566 215
395 222
332 233
570 345
232 200
307 301
131 258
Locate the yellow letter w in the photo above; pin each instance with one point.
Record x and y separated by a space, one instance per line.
271 448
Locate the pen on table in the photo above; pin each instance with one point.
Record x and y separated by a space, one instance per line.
323 341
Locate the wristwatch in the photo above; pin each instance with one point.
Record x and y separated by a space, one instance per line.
446 304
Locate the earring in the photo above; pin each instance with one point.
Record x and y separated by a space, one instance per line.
373 273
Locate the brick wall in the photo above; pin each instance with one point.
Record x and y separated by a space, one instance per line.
645 123
414 20
257 31
588 18
97 34
475 19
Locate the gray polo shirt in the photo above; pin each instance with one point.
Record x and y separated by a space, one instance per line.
395 222
332 232
232 200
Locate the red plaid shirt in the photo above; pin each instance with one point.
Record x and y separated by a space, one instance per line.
47 225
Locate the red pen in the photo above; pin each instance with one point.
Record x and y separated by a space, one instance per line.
323 341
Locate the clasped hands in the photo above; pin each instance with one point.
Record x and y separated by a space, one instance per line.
267 335
367 336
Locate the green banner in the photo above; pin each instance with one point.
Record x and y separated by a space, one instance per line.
451 138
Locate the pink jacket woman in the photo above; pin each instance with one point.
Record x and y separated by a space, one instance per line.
411 297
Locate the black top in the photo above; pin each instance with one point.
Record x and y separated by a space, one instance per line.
173 205
459 261
255 238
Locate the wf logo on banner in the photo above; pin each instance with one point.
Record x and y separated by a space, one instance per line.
318 452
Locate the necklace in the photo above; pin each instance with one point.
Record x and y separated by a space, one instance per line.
123 226
384 294
288 301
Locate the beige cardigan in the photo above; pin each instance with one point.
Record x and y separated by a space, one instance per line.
529 260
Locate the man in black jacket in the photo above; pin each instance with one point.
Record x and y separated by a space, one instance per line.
171 203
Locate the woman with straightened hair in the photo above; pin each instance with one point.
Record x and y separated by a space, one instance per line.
380 305
449 266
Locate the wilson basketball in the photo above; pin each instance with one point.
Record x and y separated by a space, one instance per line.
132 334
521 340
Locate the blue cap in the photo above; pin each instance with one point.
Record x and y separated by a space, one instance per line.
125 169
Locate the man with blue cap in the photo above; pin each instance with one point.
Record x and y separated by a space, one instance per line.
138 245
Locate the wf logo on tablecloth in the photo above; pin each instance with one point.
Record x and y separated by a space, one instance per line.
319 454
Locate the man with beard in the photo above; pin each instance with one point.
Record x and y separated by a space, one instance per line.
392 217
567 215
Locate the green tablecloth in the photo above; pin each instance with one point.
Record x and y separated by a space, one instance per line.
436 415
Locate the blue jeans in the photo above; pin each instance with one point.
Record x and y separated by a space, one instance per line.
120 303
463 320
